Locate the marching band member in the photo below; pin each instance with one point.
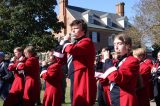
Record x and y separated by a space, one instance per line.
120 80
82 56
145 73
53 76
16 91
31 69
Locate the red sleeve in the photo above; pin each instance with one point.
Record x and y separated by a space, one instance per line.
126 72
29 63
51 72
145 71
81 48
20 66
12 67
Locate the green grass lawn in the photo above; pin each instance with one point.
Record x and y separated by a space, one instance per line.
1 102
67 95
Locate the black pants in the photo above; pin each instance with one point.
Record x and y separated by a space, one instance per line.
101 96
157 100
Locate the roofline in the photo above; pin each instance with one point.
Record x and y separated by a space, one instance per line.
103 28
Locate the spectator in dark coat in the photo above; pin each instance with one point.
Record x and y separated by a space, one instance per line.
5 77
156 79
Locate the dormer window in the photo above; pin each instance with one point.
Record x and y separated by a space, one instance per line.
123 22
88 16
109 22
106 19
91 19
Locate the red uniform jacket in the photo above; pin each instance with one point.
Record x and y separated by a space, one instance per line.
32 86
84 85
143 94
125 78
16 91
150 64
53 92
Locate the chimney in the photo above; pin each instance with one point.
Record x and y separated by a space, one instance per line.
120 9
62 6
63 13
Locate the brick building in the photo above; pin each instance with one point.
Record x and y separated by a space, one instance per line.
102 26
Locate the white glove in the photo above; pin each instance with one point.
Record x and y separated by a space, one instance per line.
13 59
153 70
44 63
21 58
67 37
61 42
107 72
44 71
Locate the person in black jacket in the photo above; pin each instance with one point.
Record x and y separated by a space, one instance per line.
5 77
100 67
156 79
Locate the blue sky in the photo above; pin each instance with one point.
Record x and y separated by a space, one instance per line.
105 5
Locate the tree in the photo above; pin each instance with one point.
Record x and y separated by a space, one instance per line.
147 20
28 22
135 35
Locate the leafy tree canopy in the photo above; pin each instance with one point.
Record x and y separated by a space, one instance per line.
135 35
27 22
147 20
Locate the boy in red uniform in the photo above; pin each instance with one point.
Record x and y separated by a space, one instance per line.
82 56
53 76
16 91
145 72
149 62
31 69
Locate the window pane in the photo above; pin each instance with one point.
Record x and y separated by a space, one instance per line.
94 37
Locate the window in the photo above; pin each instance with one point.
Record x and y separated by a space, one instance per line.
125 24
109 21
91 19
110 39
95 36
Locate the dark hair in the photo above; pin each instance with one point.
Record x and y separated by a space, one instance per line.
124 38
80 22
106 48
